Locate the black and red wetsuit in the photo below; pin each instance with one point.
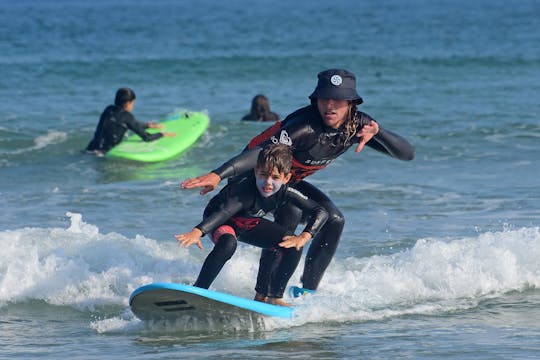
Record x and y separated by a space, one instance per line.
314 145
237 213
112 126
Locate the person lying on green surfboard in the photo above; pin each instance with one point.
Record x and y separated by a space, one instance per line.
116 120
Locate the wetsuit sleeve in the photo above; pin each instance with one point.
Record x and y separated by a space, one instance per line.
387 142
239 164
221 208
139 128
392 144
317 213
292 133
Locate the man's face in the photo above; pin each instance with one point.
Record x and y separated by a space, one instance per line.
333 112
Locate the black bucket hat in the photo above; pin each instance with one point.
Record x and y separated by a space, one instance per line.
336 84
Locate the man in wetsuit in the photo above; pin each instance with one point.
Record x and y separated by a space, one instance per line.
318 134
116 120
237 213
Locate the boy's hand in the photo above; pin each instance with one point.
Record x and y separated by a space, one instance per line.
153 125
190 238
295 241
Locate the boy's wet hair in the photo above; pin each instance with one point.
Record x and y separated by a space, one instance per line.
124 95
276 155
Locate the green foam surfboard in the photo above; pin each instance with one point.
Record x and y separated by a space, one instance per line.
188 127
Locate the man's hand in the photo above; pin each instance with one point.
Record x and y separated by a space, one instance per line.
208 182
366 133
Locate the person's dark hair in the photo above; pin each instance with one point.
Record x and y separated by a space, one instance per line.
124 95
276 155
260 105
260 110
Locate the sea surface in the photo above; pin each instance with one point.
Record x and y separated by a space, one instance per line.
440 257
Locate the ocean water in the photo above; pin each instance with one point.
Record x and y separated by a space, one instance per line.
439 257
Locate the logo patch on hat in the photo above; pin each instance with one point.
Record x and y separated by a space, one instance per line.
336 80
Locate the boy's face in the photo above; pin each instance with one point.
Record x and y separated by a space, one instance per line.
269 182
128 106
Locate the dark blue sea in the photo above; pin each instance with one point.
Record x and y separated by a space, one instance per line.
439 258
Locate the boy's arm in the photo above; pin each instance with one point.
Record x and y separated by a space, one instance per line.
219 217
190 238
230 202
316 220
140 128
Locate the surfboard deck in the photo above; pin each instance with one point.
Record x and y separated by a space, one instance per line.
188 127
171 301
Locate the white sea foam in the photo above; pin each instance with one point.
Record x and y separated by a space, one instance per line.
52 137
80 267
432 277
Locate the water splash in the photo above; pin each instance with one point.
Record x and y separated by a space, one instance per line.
52 137
82 268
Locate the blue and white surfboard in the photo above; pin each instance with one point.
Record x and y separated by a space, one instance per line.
170 301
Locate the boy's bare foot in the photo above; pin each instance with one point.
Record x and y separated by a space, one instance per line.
260 297
277 301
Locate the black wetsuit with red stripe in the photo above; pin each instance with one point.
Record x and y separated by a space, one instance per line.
237 213
314 145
